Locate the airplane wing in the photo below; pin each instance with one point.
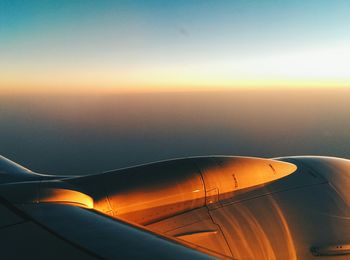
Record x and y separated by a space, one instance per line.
204 207
57 216
59 231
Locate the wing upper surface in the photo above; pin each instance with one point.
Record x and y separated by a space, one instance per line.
55 231
22 237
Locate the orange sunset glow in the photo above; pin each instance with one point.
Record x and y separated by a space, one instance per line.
132 48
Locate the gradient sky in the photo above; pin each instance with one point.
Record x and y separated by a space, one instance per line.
98 46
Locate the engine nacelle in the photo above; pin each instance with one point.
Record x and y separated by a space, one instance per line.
148 193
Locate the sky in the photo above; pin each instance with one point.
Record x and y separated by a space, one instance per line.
87 86
136 46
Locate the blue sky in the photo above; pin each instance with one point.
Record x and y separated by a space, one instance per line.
170 44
